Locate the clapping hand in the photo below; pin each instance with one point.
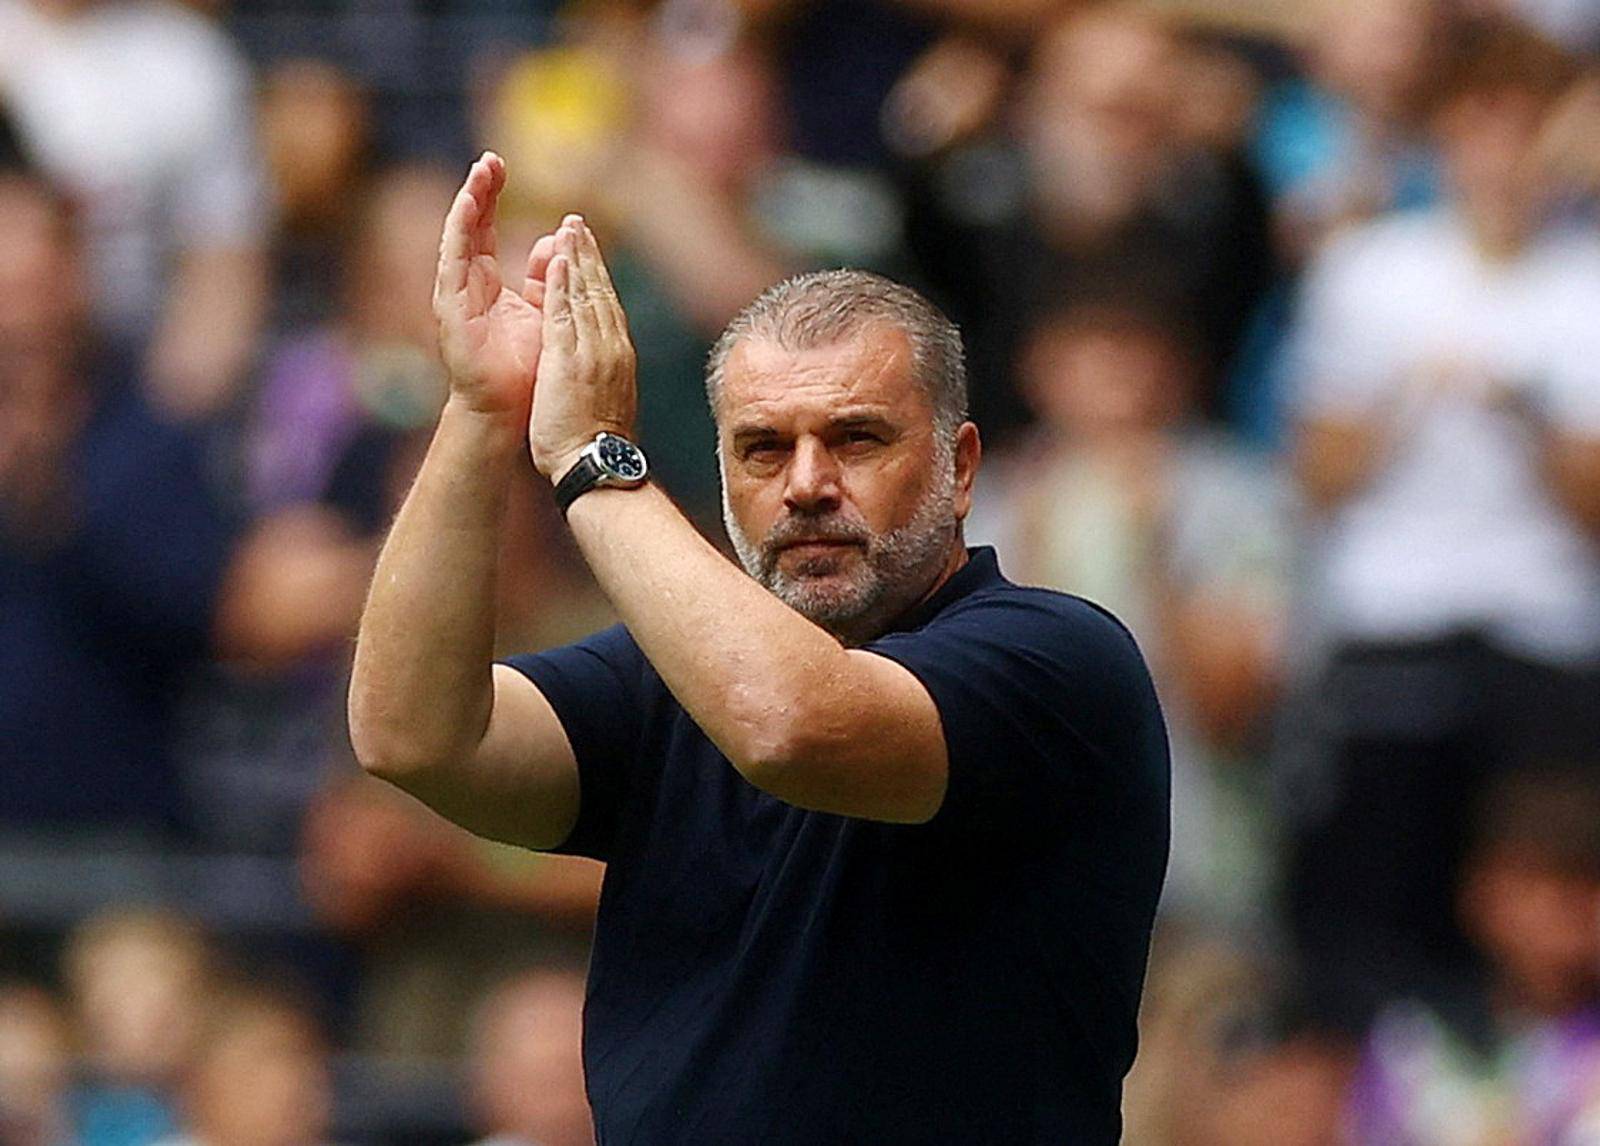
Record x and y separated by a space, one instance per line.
489 335
586 365
556 353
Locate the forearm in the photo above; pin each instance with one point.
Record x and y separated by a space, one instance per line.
742 663
421 690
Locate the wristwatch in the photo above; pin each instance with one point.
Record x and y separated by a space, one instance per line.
610 460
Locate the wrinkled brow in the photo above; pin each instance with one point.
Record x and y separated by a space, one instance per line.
869 418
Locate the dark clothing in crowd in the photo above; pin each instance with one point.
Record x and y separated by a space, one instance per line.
1200 252
763 973
103 624
1386 764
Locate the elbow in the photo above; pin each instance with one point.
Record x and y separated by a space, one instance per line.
812 767
383 747
380 754
775 754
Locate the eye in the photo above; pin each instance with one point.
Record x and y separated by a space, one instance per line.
764 451
861 441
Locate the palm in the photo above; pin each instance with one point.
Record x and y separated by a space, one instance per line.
490 335
499 340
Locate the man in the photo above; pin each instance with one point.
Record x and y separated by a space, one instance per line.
885 832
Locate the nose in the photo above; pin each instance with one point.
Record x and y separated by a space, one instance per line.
811 484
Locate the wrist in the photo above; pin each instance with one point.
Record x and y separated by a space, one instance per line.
556 463
502 429
609 460
562 465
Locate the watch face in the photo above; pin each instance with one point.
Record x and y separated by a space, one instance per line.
620 458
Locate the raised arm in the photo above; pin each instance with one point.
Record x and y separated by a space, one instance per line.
427 711
801 716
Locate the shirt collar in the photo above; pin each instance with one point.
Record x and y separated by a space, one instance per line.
981 571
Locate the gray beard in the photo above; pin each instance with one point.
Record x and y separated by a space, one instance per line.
894 570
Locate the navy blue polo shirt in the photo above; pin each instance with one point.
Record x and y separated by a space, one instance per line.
765 974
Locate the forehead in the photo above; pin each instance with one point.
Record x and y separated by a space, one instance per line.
867 370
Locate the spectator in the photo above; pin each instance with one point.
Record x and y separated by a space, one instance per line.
120 570
142 111
526 1062
436 914
140 981
1516 1057
1449 439
1114 183
260 1076
1344 143
367 382
316 141
35 1068
1227 1059
1126 499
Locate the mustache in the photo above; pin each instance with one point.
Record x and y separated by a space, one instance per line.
832 527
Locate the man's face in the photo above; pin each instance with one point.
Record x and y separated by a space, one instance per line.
837 493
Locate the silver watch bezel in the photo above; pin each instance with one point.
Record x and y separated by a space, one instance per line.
608 475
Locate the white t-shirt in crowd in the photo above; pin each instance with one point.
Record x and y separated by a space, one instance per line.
143 111
1576 23
1406 325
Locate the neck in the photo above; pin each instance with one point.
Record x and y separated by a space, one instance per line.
870 629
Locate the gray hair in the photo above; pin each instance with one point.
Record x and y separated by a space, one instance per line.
822 308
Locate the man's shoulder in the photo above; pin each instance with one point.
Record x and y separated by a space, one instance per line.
1034 615
1027 643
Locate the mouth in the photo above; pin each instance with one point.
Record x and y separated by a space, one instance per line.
817 546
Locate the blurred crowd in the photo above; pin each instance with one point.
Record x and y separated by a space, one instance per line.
1283 321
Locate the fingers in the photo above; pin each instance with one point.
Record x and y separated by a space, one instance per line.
580 302
559 332
488 200
569 245
469 223
602 293
533 287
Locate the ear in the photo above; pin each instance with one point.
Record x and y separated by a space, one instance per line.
969 453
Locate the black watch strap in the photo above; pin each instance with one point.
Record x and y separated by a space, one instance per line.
577 481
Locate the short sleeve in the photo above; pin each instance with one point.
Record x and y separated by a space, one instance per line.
597 688
1047 709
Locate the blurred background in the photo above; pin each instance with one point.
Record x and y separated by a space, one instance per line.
1284 331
